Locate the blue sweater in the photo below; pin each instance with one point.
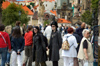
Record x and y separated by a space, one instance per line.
17 44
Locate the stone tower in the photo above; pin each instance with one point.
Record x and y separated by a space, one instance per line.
64 9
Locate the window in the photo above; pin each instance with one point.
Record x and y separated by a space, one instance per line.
63 13
69 14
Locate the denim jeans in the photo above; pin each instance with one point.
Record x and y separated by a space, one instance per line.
3 52
8 57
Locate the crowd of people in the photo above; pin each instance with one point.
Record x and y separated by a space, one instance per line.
40 46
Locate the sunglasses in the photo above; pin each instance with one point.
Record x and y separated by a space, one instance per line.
53 26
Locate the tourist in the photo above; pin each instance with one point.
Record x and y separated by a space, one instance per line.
47 33
80 29
18 25
28 46
4 43
8 30
45 27
54 44
70 54
17 42
85 53
39 48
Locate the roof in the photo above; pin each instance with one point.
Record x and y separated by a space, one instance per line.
48 0
6 4
20 1
60 20
54 12
36 6
27 9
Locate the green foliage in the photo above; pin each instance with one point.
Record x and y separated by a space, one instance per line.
95 4
87 17
11 14
32 4
29 6
46 22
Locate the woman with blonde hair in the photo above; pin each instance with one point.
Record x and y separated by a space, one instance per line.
85 50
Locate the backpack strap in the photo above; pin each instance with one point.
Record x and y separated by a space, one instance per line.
3 38
68 37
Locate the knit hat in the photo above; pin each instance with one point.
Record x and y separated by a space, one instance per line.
54 23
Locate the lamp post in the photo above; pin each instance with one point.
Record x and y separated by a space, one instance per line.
19 15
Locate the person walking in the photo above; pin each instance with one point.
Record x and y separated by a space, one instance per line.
4 43
39 48
8 30
80 29
17 42
18 23
70 54
85 53
28 46
55 44
47 33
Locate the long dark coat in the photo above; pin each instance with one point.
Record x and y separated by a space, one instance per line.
39 53
54 46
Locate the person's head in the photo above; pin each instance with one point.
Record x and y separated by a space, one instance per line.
18 23
54 25
70 30
36 29
2 27
46 24
83 25
86 33
8 29
30 27
16 32
24 24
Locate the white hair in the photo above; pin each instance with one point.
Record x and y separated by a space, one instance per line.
84 31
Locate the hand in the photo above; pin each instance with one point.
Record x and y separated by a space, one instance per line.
47 48
86 57
9 50
18 53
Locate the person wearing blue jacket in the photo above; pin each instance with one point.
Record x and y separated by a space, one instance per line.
80 29
17 43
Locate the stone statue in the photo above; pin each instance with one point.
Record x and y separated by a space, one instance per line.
41 9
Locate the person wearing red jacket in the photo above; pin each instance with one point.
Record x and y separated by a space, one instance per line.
28 46
4 43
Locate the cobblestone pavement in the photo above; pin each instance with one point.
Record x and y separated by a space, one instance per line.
49 63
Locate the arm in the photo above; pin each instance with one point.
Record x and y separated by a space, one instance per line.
85 47
13 45
23 43
75 42
85 52
59 40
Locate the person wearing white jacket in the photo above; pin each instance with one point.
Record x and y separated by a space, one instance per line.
70 54
47 32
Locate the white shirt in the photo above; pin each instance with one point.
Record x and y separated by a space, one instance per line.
48 31
73 43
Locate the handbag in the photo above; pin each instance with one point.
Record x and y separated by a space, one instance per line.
65 45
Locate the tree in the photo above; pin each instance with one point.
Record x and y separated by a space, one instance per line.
95 4
11 14
46 22
87 17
